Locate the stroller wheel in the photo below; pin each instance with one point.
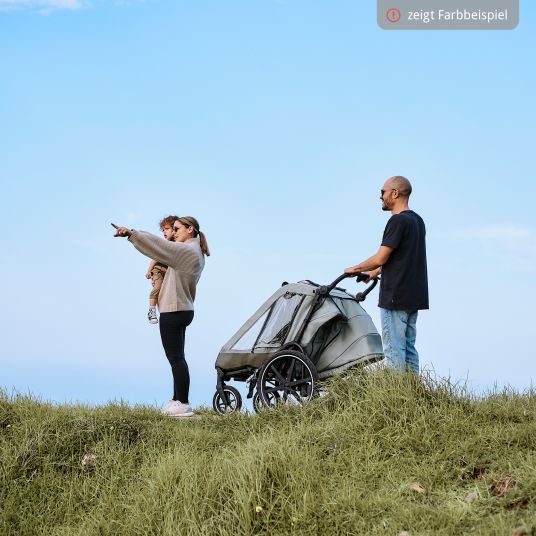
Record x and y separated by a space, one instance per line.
287 377
259 405
232 403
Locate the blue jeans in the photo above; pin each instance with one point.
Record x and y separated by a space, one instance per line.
399 333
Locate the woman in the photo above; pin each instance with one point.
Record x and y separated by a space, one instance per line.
185 258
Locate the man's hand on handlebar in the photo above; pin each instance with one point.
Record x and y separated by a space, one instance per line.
373 274
369 276
351 271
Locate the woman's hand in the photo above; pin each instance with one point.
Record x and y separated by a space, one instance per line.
121 231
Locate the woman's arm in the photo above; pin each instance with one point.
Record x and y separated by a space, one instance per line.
166 252
175 254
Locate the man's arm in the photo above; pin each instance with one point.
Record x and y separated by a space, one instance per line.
373 263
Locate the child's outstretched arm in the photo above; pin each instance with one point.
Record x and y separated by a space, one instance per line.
150 269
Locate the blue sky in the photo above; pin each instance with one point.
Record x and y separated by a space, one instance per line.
275 123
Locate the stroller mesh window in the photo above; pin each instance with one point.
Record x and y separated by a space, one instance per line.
276 329
247 341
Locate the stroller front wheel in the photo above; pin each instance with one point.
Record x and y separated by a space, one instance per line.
232 402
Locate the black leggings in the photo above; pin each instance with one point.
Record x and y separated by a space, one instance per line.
172 331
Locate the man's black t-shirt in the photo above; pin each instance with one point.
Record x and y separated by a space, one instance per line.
404 279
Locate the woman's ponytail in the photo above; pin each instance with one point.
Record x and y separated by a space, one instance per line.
203 244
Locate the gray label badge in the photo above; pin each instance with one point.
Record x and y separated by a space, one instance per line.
448 14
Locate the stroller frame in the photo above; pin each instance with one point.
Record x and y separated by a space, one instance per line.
286 372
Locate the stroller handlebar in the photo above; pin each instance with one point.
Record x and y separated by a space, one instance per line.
323 291
360 277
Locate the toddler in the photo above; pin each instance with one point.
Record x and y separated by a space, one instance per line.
157 270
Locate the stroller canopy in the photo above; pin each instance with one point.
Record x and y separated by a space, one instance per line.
339 334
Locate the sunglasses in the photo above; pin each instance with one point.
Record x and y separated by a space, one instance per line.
390 189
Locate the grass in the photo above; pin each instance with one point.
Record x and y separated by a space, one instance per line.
381 453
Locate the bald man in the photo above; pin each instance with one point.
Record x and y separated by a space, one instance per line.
401 260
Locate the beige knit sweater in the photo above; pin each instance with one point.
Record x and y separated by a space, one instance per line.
185 262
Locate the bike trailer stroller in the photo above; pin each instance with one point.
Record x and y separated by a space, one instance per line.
302 334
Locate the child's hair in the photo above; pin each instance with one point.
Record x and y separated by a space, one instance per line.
190 221
168 221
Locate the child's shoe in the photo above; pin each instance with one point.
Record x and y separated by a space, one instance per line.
151 315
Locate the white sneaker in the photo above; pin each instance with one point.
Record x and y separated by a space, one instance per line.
151 315
166 406
178 409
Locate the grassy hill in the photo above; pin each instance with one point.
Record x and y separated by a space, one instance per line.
378 454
